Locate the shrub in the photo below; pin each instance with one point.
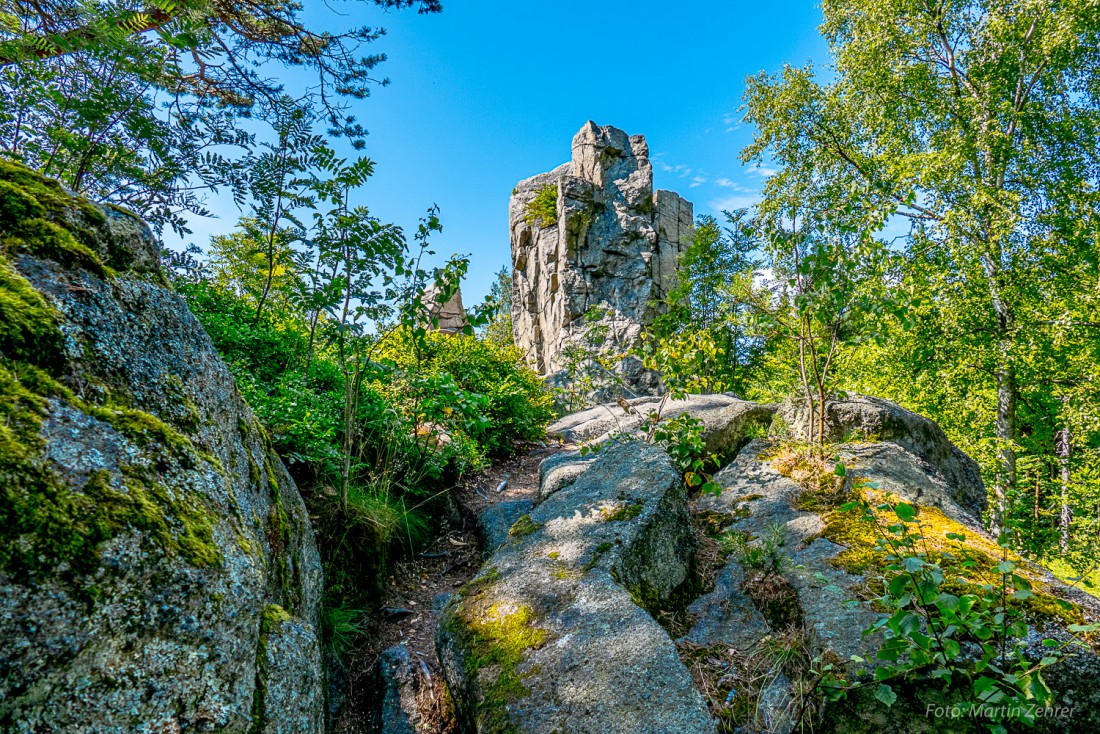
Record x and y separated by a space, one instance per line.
542 211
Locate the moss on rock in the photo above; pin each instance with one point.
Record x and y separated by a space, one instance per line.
28 323
495 635
46 522
966 563
622 512
523 526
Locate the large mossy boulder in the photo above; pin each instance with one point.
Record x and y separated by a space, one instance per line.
870 419
158 571
835 573
553 633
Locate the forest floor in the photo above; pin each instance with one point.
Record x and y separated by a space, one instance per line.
407 617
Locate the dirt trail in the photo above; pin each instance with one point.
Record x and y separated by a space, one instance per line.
447 563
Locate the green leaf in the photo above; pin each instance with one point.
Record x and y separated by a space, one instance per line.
905 512
984 684
886 694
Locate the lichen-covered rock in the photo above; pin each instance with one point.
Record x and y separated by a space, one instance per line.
561 470
877 420
728 421
494 522
594 252
550 635
831 561
157 567
726 615
397 682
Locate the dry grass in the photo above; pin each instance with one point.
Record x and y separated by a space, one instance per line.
433 701
731 681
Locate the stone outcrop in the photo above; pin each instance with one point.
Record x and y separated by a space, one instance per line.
831 561
397 683
727 420
158 571
494 522
594 251
554 635
549 637
864 418
448 317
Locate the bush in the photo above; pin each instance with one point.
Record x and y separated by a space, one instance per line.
514 404
543 209
425 409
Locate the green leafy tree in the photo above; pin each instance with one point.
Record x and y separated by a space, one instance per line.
499 328
703 306
976 122
142 104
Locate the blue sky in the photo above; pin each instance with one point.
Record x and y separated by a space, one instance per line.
490 92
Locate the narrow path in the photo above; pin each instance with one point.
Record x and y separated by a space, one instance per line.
447 563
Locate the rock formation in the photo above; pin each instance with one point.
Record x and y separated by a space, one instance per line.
158 571
547 637
449 317
559 631
594 251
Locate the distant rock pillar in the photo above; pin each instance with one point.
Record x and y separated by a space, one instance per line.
595 252
449 317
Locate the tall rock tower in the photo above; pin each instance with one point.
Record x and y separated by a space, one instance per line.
594 251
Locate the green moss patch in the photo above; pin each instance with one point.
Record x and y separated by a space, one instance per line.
618 513
523 526
272 618
495 637
972 562
28 324
45 522
40 218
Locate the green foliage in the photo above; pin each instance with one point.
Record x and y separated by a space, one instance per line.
324 323
682 437
943 603
765 554
499 328
975 126
703 320
542 211
342 626
141 104
509 401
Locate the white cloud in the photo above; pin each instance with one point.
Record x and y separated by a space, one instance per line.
725 183
737 201
762 171
732 121
697 181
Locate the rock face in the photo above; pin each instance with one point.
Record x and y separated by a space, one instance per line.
874 419
830 561
554 634
594 247
494 522
398 684
449 317
726 420
548 636
158 571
